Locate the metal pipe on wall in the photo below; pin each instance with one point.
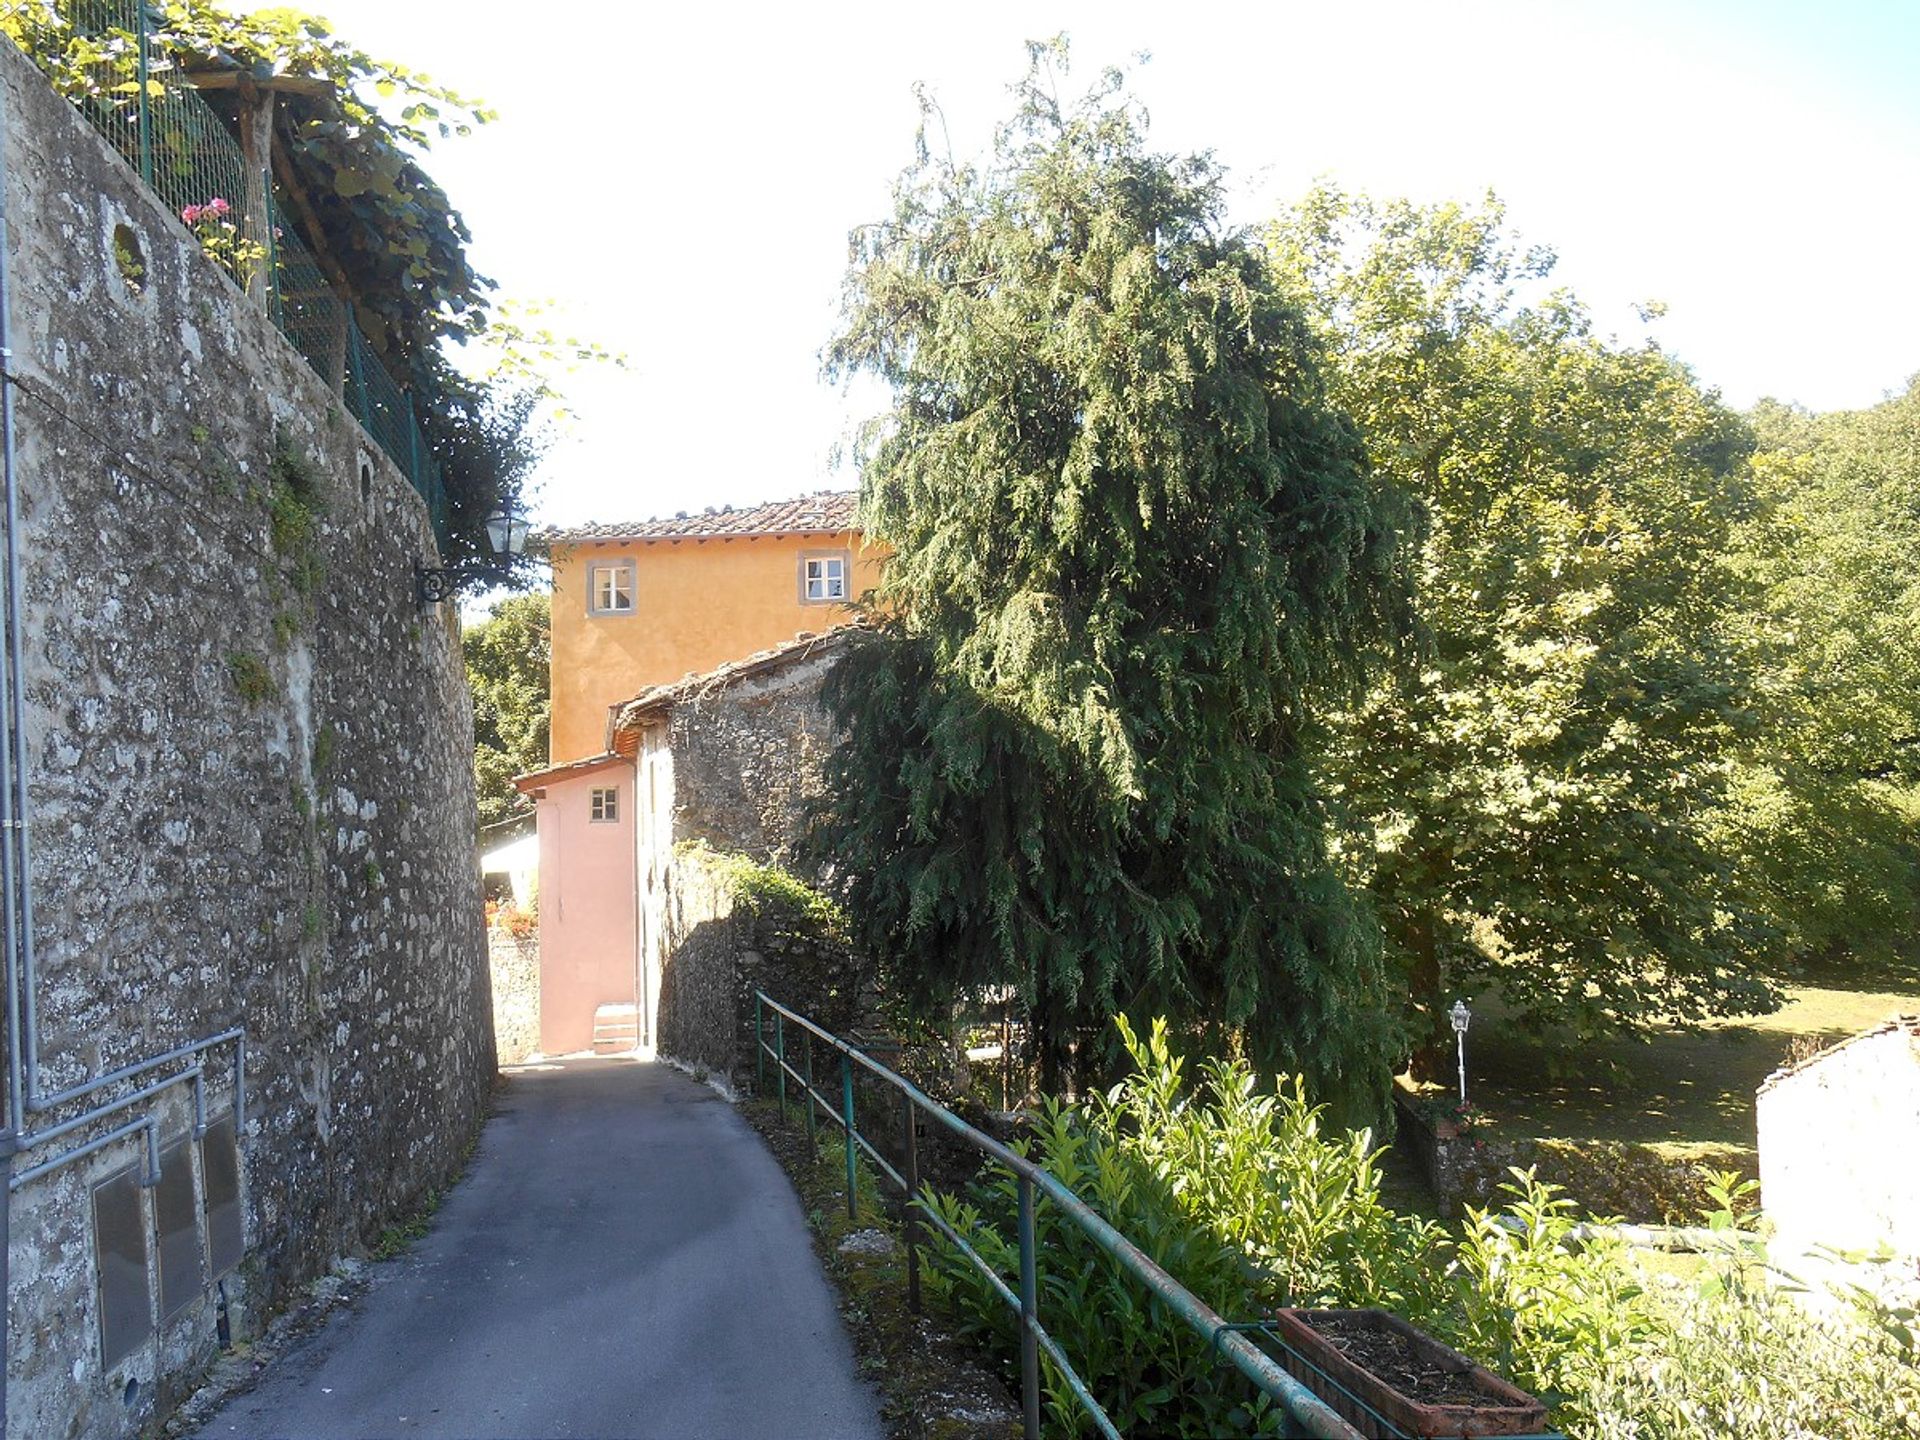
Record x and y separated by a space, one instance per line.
16 1088
6 1221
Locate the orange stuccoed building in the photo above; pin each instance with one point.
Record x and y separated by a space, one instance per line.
652 601
657 607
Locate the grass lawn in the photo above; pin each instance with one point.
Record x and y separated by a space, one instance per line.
1678 1089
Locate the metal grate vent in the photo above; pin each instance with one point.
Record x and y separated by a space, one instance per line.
220 1174
120 1263
176 1216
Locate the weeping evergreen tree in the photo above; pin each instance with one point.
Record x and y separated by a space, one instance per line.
1131 544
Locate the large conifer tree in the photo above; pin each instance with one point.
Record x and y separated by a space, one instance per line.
1131 545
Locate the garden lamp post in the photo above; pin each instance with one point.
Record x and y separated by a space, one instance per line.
506 533
1461 1018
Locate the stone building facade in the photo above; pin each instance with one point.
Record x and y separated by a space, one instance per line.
249 803
1840 1149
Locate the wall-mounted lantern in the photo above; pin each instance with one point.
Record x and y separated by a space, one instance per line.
506 533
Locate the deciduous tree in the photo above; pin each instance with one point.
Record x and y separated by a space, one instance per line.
1825 807
507 656
1532 807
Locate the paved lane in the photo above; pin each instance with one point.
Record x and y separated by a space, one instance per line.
624 1259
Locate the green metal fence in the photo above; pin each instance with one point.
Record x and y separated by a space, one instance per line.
1306 1414
103 56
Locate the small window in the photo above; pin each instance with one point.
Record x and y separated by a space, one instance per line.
610 588
823 577
606 805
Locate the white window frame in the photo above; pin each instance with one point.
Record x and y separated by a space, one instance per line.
604 805
824 559
616 577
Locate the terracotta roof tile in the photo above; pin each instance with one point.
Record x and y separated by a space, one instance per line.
534 779
825 512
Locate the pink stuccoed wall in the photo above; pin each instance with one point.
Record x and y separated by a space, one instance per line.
587 941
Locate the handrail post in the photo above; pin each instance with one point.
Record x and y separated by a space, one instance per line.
1029 1316
813 1143
909 1221
759 1048
780 1060
846 1106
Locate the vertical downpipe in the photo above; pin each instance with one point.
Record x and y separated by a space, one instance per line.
8 1144
1029 1317
16 874
16 816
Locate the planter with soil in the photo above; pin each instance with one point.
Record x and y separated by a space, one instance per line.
1400 1375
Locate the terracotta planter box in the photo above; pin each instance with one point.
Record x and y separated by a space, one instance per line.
1451 1396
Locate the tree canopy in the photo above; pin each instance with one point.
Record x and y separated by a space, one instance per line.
1133 546
1532 807
351 130
1825 806
507 657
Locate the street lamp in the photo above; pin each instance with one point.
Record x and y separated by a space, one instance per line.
1461 1018
506 533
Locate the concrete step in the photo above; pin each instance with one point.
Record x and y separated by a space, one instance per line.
615 1028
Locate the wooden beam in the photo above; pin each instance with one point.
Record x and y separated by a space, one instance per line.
235 79
303 207
256 216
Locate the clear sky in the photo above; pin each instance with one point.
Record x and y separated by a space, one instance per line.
681 178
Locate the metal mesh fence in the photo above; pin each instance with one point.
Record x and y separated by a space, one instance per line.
101 55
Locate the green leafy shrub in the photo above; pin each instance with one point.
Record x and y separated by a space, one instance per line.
1152 1373
1532 1302
1249 1200
1259 1172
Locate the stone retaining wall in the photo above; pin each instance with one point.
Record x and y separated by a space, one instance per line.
1603 1177
249 754
513 961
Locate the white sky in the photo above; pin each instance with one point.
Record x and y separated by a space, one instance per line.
681 179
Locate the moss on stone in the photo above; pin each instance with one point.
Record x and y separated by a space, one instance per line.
252 681
768 891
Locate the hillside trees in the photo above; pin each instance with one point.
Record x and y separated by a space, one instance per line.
1534 806
1133 549
1825 808
506 656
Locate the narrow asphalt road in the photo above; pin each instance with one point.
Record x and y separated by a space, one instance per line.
623 1259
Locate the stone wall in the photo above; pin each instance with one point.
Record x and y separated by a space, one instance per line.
250 768
1637 1183
513 961
734 928
1840 1146
747 759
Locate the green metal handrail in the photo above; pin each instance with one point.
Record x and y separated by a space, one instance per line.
1301 1405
